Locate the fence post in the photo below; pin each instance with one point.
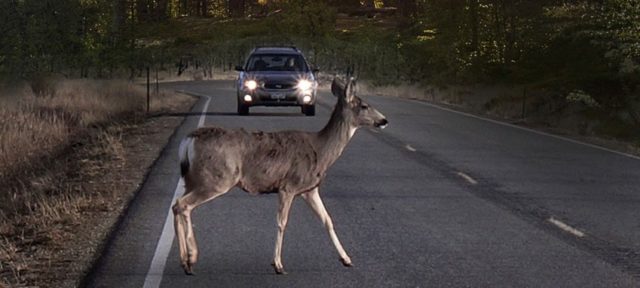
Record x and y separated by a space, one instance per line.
524 103
148 88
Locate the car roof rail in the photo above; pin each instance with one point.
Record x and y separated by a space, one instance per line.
293 47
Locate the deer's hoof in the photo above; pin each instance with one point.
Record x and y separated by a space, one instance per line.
346 262
188 269
279 270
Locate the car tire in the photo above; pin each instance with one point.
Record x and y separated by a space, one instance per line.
243 110
309 110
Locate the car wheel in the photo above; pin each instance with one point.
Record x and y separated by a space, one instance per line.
243 110
309 110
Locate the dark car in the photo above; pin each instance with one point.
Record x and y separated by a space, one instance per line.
276 76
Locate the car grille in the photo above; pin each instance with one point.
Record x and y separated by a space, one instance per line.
279 85
267 98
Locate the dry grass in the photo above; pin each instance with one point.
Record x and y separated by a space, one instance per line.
190 74
52 151
33 128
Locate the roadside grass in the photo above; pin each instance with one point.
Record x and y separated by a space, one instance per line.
37 129
54 151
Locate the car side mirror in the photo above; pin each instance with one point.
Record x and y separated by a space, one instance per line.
239 68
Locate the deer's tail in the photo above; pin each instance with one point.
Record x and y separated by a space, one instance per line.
185 154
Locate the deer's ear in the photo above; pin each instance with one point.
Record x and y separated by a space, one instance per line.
350 89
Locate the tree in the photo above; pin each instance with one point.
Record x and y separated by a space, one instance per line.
236 8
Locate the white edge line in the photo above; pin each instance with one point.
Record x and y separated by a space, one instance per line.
204 112
467 178
529 130
410 148
156 269
154 275
566 227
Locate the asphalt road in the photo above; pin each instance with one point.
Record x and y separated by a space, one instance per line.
438 199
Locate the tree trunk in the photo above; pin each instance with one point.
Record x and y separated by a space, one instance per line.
119 15
473 15
499 31
511 36
236 8
161 10
407 10
142 10
205 8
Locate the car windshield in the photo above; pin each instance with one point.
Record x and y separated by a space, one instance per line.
273 62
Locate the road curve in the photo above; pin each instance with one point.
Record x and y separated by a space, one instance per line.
438 199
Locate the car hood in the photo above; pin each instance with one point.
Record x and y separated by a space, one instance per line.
277 77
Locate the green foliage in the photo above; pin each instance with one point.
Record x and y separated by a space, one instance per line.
562 46
307 18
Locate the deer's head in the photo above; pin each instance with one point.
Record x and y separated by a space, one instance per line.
356 112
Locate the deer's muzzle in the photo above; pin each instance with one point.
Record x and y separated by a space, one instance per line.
381 124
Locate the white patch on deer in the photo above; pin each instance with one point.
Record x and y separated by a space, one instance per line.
352 131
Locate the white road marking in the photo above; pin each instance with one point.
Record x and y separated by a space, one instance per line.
154 275
468 178
566 227
410 148
529 130
204 113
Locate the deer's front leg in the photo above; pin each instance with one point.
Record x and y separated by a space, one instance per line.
313 199
283 216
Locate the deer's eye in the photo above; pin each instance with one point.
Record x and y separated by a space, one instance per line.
364 107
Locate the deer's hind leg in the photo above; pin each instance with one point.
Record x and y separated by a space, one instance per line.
182 220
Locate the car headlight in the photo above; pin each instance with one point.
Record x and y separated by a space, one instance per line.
304 84
251 84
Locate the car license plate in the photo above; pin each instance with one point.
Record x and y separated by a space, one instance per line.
278 95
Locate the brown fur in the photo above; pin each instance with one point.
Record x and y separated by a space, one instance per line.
242 155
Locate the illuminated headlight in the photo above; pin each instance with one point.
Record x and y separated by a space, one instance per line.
251 84
247 98
306 99
304 84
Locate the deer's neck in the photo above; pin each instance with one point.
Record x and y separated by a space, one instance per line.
334 137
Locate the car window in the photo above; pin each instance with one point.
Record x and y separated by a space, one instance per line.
268 62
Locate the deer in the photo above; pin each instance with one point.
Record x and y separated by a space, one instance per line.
213 160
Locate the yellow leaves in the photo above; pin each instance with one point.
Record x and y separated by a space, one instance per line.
427 34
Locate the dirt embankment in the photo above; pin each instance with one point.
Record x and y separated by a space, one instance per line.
73 176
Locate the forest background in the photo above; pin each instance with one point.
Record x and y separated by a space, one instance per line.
552 55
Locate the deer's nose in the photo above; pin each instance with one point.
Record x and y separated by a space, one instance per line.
382 123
